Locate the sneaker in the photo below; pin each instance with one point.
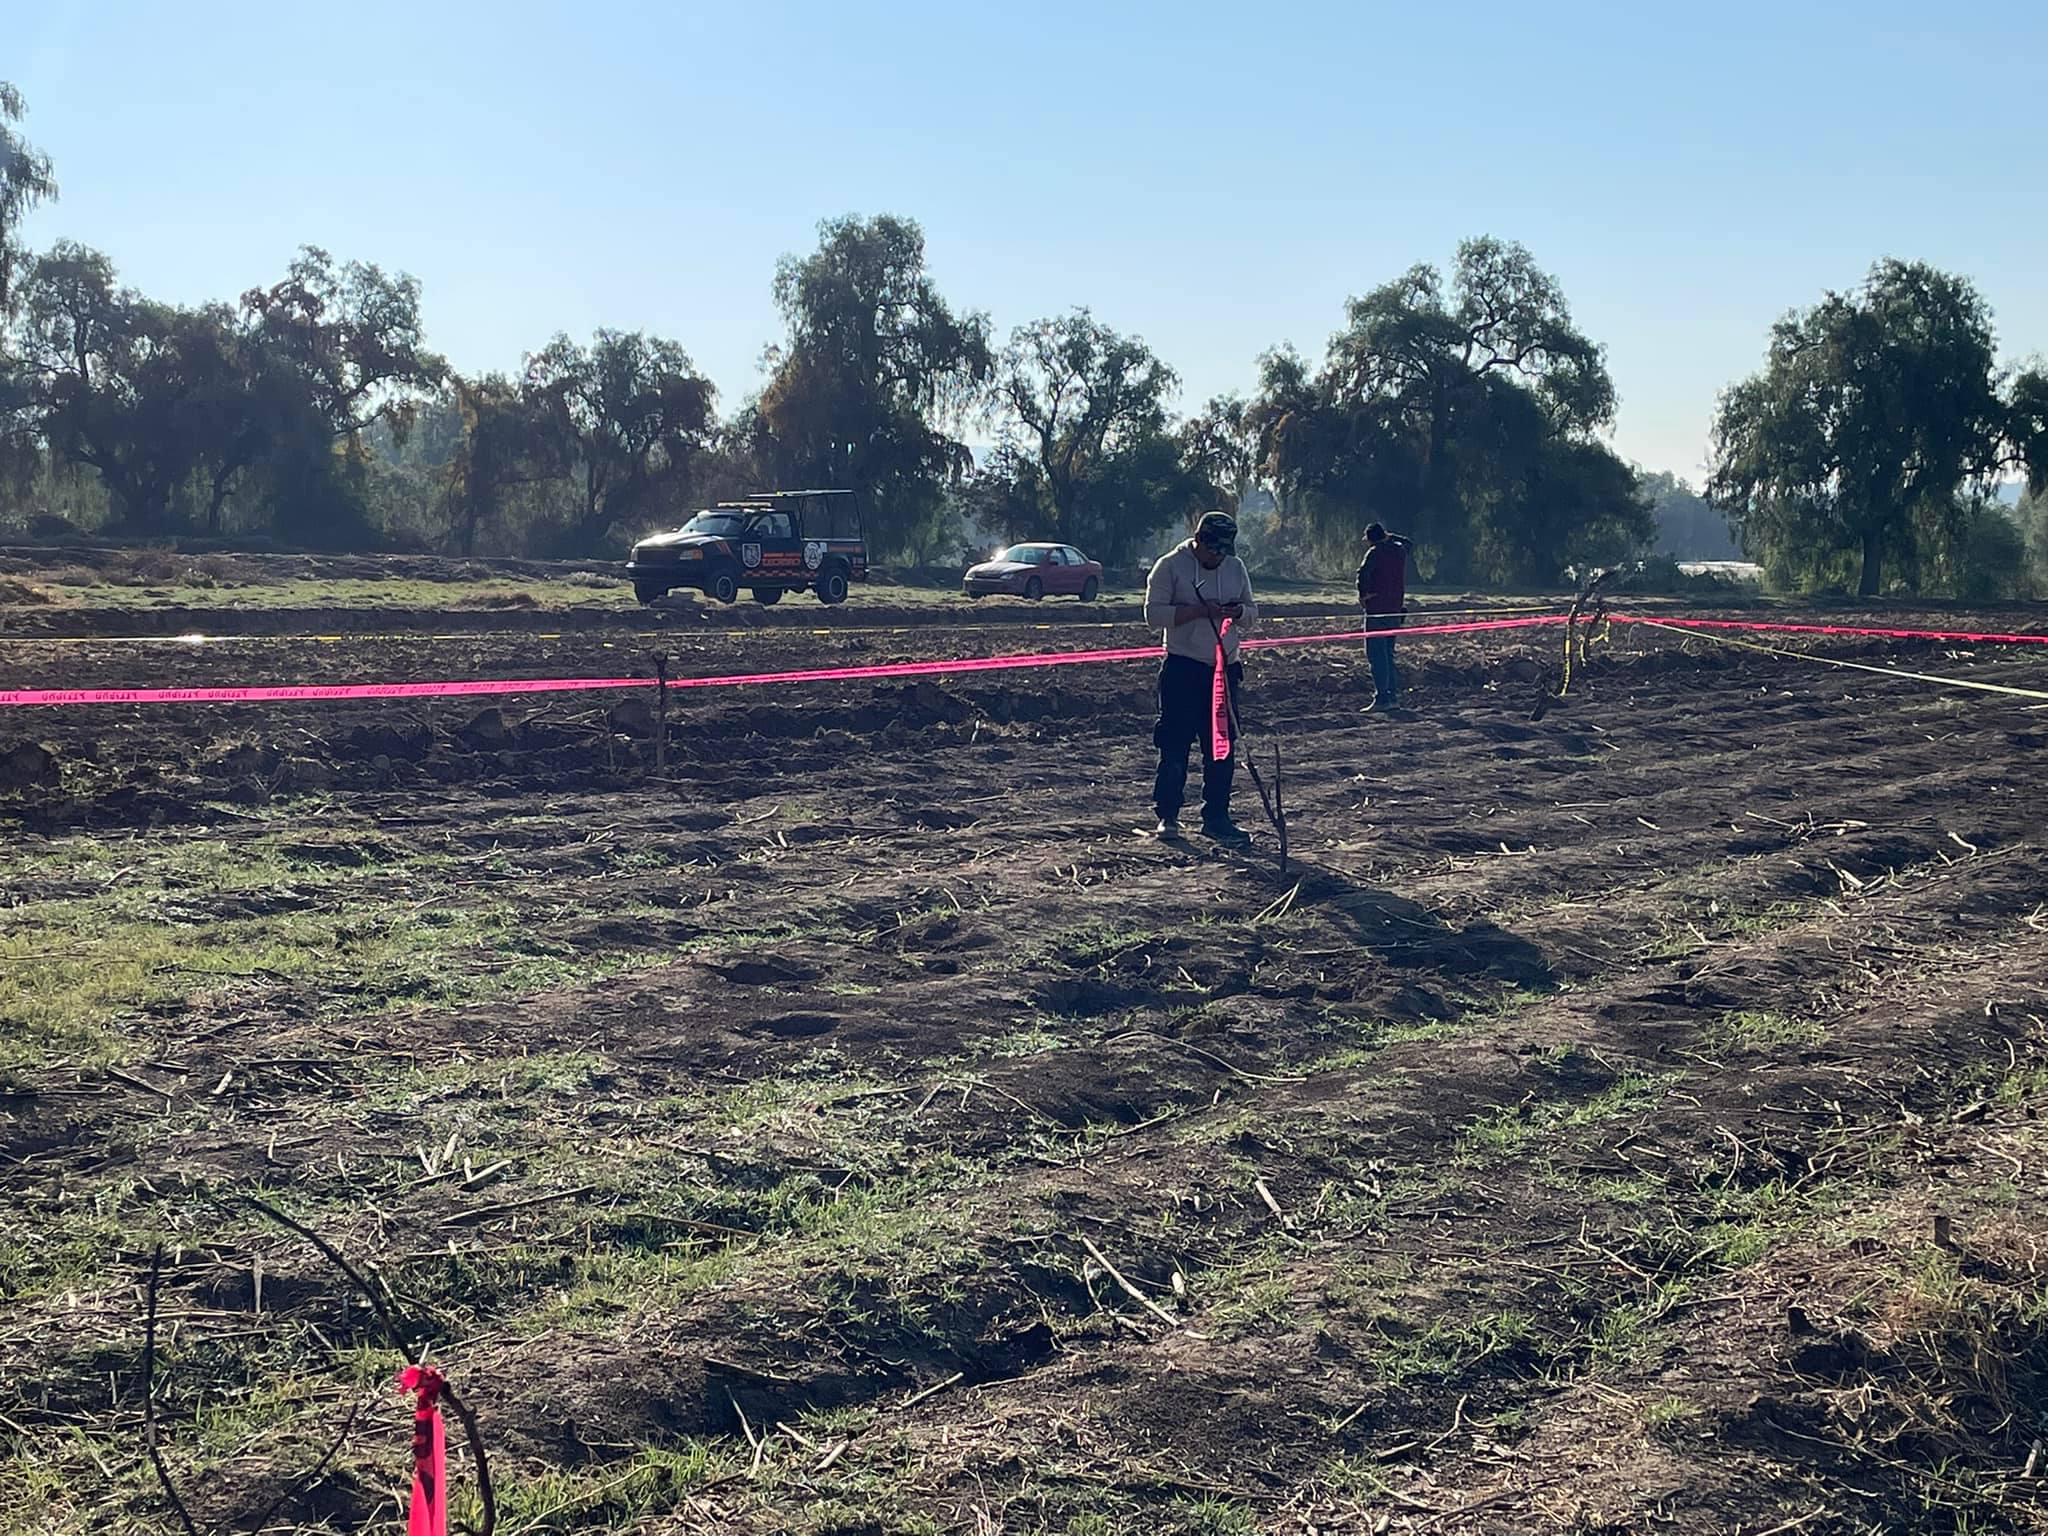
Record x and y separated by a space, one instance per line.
1225 831
1168 830
1377 707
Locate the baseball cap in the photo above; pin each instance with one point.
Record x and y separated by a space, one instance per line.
1217 530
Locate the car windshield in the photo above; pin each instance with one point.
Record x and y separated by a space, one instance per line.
715 522
1021 554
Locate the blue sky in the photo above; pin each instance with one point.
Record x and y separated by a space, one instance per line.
1215 178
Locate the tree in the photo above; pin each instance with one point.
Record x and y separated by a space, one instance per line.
26 180
870 388
2027 428
629 413
1456 414
506 443
1875 414
1090 458
235 407
1220 447
2032 517
1688 525
355 337
176 408
107 382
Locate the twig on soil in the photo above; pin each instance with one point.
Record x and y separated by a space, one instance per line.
935 1388
1279 907
1792 1525
305 1484
1271 1204
156 1455
1209 1056
135 1082
1457 1422
759 1445
797 1435
491 1212
831 1456
720 1363
1612 1257
865 1093
983 1083
485 1496
333 1256
484 1176
1478 1504
1129 1289
1350 1418
1171 1112
712 1227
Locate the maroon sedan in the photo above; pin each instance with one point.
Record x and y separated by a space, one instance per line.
1037 570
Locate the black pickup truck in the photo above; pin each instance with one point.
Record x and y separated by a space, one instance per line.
772 543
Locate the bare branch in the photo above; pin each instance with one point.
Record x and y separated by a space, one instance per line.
156 1456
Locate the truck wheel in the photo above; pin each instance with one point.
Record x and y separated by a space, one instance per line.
1090 589
767 597
648 591
1034 589
724 586
832 584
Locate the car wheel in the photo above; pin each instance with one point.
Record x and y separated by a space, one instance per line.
767 597
832 584
648 591
1090 589
725 586
1034 589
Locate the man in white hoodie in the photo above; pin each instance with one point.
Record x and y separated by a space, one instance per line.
1198 596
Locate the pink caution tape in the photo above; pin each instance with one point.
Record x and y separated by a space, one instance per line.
340 692
312 692
428 1515
1219 699
1969 637
325 692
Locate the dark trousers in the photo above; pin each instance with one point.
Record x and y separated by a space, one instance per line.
1386 681
1184 715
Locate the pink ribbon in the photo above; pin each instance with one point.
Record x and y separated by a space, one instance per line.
429 1514
1966 636
1219 700
287 693
322 692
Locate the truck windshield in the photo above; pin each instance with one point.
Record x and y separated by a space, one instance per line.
721 523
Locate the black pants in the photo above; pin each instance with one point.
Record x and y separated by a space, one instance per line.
1184 715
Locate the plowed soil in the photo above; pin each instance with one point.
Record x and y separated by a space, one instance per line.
1621 1117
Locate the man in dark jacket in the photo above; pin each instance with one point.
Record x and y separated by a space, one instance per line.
1383 594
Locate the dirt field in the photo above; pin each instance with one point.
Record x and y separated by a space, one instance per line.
1623 1121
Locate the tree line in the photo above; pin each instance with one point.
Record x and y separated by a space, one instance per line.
1464 406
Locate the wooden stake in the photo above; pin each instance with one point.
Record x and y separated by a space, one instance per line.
1279 811
661 712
